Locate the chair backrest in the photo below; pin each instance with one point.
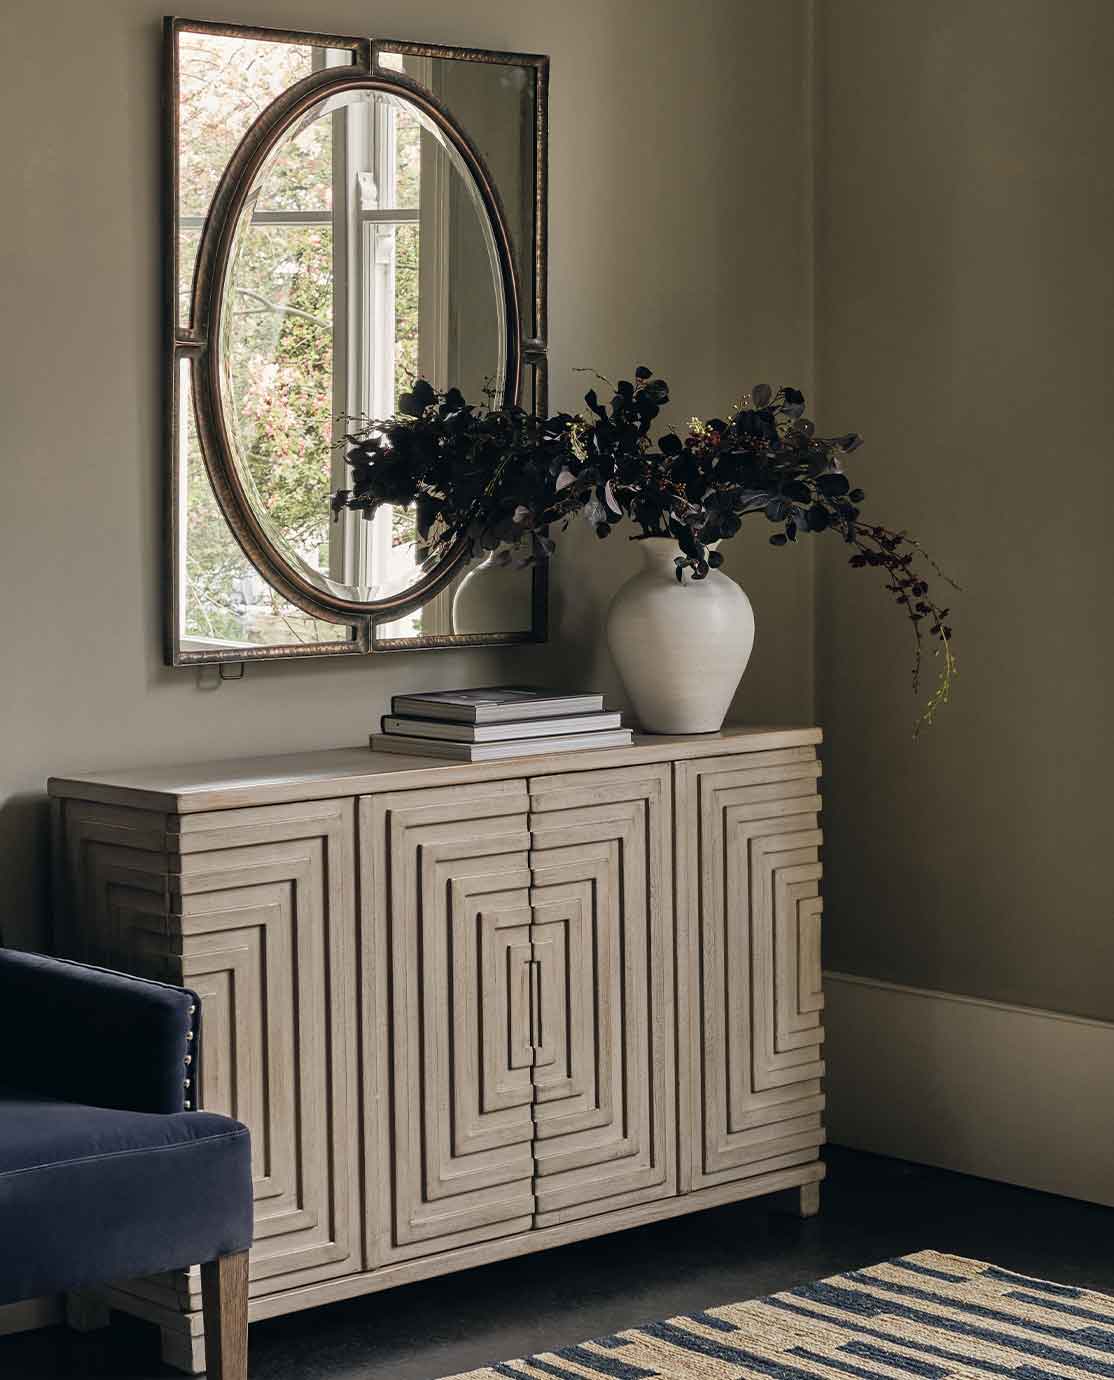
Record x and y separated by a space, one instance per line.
86 1034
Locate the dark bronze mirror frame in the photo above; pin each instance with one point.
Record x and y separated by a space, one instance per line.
525 342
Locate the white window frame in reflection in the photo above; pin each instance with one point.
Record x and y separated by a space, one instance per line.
365 222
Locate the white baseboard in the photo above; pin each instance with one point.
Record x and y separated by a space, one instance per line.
1004 1092
31 1313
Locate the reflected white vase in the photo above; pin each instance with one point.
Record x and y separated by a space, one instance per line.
493 598
680 647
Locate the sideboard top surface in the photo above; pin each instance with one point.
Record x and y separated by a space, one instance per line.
245 781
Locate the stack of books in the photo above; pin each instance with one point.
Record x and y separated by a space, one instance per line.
500 721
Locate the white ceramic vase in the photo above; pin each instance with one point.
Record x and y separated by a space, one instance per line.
680 648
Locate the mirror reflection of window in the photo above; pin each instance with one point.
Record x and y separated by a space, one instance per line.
332 315
390 181
363 259
225 84
337 299
324 324
225 602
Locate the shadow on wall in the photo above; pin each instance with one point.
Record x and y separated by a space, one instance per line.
25 868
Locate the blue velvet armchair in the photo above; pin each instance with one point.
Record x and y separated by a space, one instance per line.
106 1172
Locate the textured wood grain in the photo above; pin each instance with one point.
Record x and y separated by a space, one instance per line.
112 869
248 781
224 1287
267 939
530 956
603 940
254 909
446 935
180 1349
748 918
465 1257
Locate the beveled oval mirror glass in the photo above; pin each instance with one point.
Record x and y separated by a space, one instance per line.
363 258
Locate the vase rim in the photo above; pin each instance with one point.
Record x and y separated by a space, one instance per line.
658 538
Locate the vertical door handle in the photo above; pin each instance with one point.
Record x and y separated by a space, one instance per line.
535 1004
520 1019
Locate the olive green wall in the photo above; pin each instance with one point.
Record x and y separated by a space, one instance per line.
965 223
681 237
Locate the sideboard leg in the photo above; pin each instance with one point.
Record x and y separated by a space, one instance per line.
86 1311
183 1350
810 1199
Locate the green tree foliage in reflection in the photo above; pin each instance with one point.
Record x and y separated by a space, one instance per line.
278 343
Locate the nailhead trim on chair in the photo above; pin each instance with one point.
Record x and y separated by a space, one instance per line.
189 1058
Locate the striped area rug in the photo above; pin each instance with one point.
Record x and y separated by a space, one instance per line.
924 1317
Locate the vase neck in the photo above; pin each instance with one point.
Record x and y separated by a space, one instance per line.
659 554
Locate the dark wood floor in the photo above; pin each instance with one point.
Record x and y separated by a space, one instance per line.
872 1209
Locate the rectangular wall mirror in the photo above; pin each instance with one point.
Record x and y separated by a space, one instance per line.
347 215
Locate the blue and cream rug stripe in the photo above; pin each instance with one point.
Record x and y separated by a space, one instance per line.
924 1317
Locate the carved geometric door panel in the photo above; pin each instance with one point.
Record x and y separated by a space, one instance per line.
447 961
268 942
602 947
748 908
111 882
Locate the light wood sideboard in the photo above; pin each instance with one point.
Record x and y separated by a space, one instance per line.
470 1011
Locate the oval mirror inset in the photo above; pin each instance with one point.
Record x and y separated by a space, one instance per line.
363 257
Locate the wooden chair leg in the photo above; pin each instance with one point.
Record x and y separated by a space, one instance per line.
224 1298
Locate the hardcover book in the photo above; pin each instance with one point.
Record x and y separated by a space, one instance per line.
493 704
494 752
497 732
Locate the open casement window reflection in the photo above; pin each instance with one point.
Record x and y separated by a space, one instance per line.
339 230
391 219
225 83
340 302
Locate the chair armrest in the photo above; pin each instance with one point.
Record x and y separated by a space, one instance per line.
83 1034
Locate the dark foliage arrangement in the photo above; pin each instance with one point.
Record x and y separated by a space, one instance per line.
502 480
